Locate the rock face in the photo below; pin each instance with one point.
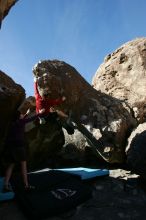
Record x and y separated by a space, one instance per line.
11 96
104 120
136 150
44 143
5 6
123 76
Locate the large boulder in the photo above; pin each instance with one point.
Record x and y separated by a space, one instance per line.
103 120
136 150
44 143
5 6
122 75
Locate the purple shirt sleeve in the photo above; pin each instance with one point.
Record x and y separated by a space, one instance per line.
26 120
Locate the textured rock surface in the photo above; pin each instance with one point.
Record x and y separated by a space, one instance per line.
45 143
5 6
136 150
123 74
105 117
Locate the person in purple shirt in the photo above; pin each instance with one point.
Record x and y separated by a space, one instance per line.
16 148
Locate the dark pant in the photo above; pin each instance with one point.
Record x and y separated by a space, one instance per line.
53 116
15 152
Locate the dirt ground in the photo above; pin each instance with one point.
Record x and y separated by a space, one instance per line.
114 197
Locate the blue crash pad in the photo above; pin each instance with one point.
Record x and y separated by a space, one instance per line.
83 172
7 195
86 173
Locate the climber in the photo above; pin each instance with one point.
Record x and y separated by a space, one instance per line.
15 146
48 106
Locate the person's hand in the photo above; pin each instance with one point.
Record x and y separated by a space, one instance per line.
41 111
28 112
52 109
35 79
63 98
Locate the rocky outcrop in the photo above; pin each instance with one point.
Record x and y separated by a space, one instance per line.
103 120
136 150
122 75
44 143
11 96
5 6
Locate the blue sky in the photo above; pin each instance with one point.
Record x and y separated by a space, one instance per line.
79 32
